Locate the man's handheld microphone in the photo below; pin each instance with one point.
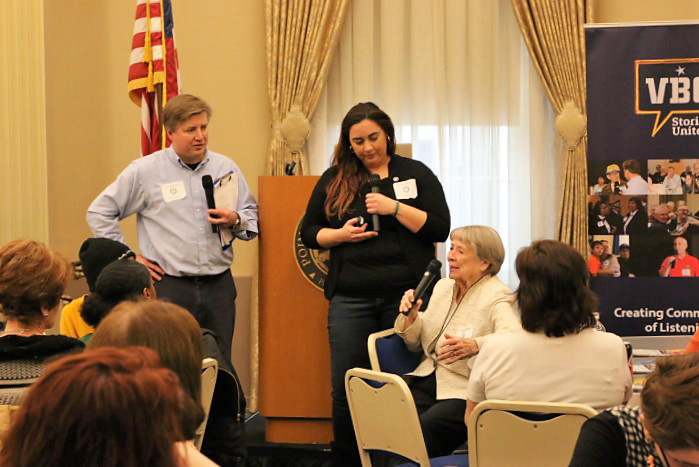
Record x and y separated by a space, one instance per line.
375 183
208 185
427 278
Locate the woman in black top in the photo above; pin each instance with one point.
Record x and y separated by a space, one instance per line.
369 270
663 431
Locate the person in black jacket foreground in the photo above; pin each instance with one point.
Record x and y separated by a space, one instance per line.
664 431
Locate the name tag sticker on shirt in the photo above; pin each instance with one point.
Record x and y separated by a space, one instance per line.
173 191
465 331
406 189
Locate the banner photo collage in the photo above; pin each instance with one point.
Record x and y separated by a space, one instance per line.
643 176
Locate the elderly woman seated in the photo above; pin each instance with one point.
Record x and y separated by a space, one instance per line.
558 356
32 281
108 407
663 431
463 312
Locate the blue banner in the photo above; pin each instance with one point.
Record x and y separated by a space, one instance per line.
643 176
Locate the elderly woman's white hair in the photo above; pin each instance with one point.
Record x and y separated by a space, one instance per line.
486 244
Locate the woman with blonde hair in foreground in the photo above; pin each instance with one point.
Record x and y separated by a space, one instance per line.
108 407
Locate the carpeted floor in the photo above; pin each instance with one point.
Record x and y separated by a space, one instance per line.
264 454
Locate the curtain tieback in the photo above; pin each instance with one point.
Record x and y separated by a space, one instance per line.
571 125
293 130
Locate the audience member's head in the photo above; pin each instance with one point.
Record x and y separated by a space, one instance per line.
636 204
32 280
553 295
596 248
680 245
119 281
109 407
613 173
96 253
600 209
168 329
631 167
658 167
661 214
486 244
624 251
601 181
682 213
670 407
671 171
670 206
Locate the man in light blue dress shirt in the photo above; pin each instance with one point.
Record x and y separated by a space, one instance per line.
164 190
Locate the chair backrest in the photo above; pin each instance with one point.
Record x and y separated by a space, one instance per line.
6 415
209 373
388 353
384 418
501 434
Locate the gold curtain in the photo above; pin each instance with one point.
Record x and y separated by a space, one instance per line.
553 32
24 176
302 36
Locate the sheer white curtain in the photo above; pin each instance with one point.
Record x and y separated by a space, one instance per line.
454 76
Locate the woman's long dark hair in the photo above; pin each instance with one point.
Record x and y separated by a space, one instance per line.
351 173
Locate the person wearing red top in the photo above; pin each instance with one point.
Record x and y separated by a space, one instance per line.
594 264
681 264
693 345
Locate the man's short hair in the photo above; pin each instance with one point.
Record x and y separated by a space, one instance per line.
624 246
632 165
180 108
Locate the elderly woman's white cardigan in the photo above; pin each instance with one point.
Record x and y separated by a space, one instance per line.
486 308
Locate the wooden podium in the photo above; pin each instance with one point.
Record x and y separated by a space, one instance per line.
294 387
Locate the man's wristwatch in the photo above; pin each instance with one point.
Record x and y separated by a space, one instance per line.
236 224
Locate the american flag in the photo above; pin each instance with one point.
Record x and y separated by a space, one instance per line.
153 69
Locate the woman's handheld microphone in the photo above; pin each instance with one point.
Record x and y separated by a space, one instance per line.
375 184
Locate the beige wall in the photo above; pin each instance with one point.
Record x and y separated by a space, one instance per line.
628 11
92 126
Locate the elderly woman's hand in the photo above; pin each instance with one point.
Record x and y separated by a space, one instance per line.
407 303
455 348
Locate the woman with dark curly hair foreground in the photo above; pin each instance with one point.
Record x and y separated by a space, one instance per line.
558 356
